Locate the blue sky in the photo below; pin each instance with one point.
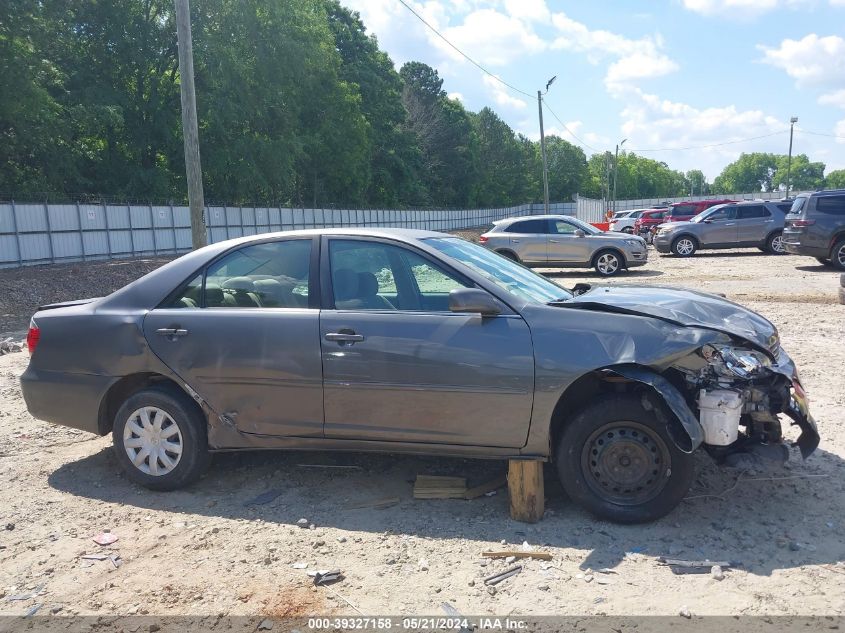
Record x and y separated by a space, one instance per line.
663 74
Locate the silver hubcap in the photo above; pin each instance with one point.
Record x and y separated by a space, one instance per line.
152 441
777 244
684 247
607 264
840 256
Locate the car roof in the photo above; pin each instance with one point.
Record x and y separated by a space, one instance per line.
550 216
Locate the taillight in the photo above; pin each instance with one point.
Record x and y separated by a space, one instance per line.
483 239
32 337
803 222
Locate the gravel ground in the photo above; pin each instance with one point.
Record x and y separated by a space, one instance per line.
206 551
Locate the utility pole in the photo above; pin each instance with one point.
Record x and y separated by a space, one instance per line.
616 171
190 133
543 145
543 153
792 122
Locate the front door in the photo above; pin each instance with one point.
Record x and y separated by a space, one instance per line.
398 366
244 334
721 227
564 245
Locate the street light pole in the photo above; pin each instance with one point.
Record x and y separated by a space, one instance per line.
792 123
190 133
543 146
616 171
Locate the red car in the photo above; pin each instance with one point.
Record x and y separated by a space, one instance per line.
649 219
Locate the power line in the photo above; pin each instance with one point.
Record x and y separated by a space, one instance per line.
467 57
801 129
681 149
571 133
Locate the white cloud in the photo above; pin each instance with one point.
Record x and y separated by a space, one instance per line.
501 95
456 96
535 10
839 131
836 99
492 38
632 58
812 60
744 9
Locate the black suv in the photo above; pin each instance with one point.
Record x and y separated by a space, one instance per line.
815 226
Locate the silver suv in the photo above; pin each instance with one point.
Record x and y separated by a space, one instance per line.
563 241
736 225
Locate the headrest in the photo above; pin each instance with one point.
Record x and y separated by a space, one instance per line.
239 283
367 284
345 282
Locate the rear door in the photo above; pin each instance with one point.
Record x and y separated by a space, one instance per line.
244 334
754 222
528 240
400 367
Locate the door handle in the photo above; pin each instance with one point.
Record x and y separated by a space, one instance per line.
171 332
344 337
554 241
514 241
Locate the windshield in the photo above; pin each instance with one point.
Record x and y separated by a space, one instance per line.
706 214
508 275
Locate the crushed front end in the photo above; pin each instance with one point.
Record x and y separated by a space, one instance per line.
738 393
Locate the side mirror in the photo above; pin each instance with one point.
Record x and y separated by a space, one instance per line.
580 233
473 300
707 221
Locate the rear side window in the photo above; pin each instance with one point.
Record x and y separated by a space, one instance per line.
798 205
527 226
785 207
268 275
831 205
685 209
753 211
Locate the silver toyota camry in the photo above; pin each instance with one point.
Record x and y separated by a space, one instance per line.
561 241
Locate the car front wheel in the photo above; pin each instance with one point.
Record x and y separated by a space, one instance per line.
616 459
684 246
608 263
160 439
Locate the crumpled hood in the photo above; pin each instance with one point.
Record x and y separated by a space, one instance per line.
684 307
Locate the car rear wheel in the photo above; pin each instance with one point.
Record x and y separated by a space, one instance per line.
684 246
617 460
160 439
774 244
608 263
509 255
837 255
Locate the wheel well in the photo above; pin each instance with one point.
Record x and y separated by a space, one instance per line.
587 388
609 249
836 238
124 388
690 236
508 251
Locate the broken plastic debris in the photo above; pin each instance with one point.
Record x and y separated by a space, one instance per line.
105 538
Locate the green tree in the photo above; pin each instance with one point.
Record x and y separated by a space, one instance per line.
802 173
501 172
567 165
835 179
697 184
750 173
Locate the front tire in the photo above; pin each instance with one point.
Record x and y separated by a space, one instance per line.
608 263
774 244
616 459
684 246
160 439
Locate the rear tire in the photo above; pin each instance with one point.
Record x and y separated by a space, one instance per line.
617 460
684 246
160 439
608 263
837 255
774 244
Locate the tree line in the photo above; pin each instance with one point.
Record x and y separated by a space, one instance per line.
297 105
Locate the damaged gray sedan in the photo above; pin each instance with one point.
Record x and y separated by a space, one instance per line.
408 341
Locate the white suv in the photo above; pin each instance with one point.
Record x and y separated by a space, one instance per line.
623 221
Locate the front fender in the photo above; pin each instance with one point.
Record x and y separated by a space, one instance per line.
674 399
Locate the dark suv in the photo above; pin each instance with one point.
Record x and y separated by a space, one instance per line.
815 226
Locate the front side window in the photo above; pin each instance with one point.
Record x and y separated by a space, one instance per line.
721 214
268 275
561 227
379 276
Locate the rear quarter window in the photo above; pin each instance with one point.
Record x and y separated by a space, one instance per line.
527 226
831 205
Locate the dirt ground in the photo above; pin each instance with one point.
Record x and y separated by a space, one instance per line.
208 551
